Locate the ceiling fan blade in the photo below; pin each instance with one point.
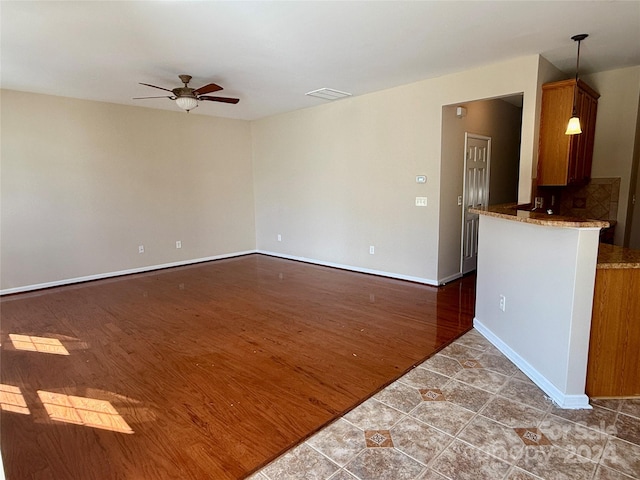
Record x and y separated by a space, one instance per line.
219 99
154 86
212 87
142 98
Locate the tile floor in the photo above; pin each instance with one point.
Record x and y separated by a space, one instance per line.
468 413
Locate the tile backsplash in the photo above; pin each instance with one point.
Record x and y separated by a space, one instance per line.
597 200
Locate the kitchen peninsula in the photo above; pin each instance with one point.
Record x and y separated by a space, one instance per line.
535 287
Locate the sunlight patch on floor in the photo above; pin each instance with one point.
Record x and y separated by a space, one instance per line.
11 400
38 344
89 412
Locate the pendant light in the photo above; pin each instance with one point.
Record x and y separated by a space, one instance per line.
573 128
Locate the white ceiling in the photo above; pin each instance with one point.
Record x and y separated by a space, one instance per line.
270 53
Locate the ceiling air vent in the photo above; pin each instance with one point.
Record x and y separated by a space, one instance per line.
328 94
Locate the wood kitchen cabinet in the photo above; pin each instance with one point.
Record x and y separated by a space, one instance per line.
614 346
566 159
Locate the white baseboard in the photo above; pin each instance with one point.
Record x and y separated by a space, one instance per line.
450 278
370 271
559 398
101 276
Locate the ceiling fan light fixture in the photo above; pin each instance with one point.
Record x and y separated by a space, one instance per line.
187 103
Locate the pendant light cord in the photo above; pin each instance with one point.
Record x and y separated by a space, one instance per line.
578 61
575 88
577 38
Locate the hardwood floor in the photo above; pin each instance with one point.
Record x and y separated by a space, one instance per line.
207 371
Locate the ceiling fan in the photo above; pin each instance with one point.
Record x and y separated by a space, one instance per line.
187 98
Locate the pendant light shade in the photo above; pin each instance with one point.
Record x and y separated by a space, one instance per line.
573 127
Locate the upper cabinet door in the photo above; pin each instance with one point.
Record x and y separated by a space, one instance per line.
566 159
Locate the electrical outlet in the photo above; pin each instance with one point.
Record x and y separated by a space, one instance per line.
279 237
140 248
503 303
178 244
421 201
459 200
372 249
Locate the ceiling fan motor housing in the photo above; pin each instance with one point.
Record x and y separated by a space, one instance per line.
184 92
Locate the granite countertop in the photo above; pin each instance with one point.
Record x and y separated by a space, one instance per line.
523 214
612 256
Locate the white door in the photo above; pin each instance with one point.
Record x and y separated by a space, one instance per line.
477 157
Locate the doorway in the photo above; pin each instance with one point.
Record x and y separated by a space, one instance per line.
500 119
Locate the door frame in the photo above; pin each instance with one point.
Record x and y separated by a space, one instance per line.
467 136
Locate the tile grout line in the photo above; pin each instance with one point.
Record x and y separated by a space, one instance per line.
351 423
515 467
340 467
430 462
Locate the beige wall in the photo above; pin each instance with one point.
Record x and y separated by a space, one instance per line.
492 118
335 179
632 233
84 183
616 127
